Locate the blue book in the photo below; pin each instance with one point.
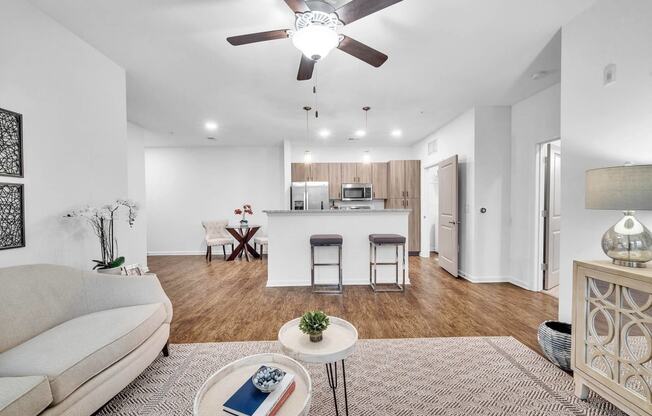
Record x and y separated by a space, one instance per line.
246 400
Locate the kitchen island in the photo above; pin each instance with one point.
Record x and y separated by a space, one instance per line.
289 245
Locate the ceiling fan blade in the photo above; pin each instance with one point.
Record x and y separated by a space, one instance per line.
298 6
306 67
257 37
357 9
362 51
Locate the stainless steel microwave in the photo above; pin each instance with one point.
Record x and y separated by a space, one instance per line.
357 192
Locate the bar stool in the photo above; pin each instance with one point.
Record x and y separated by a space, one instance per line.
325 240
375 241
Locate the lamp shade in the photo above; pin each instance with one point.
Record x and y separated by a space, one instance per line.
619 188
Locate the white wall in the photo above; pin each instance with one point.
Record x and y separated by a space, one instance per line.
534 120
73 101
455 138
136 137
188 185
601 126
492 192
350 153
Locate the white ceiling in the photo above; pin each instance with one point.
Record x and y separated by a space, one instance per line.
444 57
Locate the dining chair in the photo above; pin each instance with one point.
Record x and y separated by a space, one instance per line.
262 242
216 235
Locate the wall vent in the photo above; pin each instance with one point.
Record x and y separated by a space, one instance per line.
432 147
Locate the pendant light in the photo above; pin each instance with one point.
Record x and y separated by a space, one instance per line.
307 156
363 132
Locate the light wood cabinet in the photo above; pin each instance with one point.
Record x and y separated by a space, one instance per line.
363 170
335 181
395 203
404 183
299 173
414 223
412 179
379 180
612 334
349 172
314 172
318 172
396 179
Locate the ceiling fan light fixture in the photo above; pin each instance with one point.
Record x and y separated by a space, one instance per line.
315 41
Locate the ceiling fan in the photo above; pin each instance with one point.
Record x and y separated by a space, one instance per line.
316 32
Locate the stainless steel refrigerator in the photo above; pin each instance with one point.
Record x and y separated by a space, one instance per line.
309 196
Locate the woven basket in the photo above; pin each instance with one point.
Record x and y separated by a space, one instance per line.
555 341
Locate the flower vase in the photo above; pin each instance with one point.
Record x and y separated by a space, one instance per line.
244 222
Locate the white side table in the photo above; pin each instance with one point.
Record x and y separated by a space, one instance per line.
338 343
221 385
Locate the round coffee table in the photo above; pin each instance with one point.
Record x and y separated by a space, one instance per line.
220 386
338 343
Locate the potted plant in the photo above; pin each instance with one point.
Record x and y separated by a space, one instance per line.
102 221
314 323
246 209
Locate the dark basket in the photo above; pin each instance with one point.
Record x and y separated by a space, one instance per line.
555 341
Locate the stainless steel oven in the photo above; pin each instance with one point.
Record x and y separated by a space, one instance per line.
357 192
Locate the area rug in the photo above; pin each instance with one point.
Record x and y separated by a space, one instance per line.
398 377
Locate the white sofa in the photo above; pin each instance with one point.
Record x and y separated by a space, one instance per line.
70 340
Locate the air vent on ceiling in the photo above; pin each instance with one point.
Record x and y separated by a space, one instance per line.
432 147
353 139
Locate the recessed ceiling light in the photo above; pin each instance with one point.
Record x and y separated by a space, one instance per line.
211 138
360 133
210 126
397 133
324 133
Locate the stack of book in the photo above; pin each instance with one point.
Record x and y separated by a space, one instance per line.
249 401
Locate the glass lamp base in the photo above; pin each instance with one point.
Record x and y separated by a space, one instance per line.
628 242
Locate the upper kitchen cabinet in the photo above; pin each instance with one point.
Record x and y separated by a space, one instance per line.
334 181
379 180
318 172
364 172
314 172
299 173
356 172
404 178
349 172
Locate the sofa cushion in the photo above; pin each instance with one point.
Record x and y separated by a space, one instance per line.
24 396
75 351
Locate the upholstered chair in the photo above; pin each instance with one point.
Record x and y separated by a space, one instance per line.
262 242
216 235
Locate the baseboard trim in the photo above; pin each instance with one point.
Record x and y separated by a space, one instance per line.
494 279
178 253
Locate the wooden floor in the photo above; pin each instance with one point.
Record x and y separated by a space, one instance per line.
228 301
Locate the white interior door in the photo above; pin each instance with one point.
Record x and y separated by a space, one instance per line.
553 216
448 215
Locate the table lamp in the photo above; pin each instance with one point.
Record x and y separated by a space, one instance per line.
623 188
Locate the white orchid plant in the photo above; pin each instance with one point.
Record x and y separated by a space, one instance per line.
102 221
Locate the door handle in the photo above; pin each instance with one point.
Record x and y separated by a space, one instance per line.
407 194
407 203
452 222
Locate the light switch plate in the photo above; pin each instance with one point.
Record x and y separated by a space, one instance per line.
609 75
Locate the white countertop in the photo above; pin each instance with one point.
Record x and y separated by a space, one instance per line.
336 211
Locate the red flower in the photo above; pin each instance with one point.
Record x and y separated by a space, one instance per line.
249 211
246 206
237 211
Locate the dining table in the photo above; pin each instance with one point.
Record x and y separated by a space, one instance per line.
243 233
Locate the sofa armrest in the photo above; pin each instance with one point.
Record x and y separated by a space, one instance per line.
107 292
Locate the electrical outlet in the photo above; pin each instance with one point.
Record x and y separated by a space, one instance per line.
609 75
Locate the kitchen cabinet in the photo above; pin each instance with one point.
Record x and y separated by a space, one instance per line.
404 183
379 180
349 173
299 173
335 181
414 224
318 172
356 172
314 172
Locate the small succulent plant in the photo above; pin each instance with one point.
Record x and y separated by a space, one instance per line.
314 322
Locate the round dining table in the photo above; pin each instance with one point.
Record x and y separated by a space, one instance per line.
243 234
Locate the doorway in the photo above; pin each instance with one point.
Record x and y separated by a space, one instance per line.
431 212
549 214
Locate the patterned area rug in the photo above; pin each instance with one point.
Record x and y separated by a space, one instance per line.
399 377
